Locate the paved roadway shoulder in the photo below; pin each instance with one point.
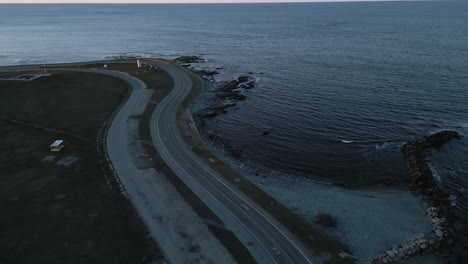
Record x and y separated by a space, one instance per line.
266 239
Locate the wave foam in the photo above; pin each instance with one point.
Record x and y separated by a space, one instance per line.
435 173
389 146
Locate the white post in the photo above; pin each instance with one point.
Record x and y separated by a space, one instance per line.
138 64
45 70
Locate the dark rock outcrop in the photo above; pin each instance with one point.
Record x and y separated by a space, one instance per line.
234 96
246 82
243 79
217 110
233 90
228 95
266 132
226 146
207 72
189 59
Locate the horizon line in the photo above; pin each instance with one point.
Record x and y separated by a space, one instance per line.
195 2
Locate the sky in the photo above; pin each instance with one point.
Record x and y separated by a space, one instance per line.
170 1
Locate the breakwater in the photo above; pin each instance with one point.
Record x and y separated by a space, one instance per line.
420 173
436 202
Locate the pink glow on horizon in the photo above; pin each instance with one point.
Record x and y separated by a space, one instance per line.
170 1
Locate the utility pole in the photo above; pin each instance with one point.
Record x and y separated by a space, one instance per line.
45 70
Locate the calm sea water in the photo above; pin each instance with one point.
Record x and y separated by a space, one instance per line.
341 85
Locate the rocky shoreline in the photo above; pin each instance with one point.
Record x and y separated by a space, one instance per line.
439 234
189 59
223 96
436 200
228 95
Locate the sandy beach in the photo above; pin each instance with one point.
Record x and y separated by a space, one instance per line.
368 221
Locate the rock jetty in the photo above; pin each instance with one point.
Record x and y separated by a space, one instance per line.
423 182
420 174
420 244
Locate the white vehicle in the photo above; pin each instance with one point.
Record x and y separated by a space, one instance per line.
57 146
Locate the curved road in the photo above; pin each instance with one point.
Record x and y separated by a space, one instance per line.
267 240
272 243
176 230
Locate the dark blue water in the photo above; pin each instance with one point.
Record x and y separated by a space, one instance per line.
342 85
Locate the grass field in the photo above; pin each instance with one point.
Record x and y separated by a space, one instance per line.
158 80
44 114
7 75
62 214
162 83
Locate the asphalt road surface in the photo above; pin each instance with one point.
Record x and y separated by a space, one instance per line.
266 238
179 232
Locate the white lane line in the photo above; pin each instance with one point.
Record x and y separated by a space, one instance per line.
216 177
178 168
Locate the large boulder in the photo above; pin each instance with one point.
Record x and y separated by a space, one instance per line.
189 59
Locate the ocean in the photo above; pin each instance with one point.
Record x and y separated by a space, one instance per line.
340 86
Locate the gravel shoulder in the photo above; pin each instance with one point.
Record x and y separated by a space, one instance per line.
180 233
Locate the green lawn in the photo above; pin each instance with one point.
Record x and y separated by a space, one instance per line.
59 214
